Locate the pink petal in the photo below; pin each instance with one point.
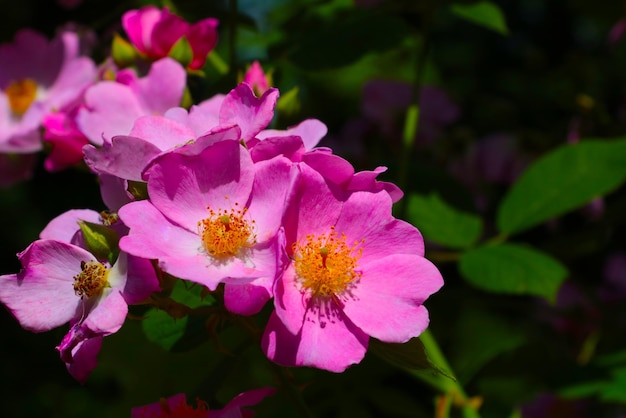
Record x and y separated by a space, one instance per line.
111 110
248 398
243 108
387 302
84 358
166 32
332 343
141 281
272 179
108 315
182 187
310 130
139 24
330 166
152 236
290 147
65 226
367 216
202 37
312 206
163 87
124 157
245 299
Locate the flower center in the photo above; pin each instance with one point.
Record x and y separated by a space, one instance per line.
92 280
21 95
325 264
225 232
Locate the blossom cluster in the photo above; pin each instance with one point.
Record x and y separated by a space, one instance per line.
210 194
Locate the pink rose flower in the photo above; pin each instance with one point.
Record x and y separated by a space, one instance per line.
355 272
213 217
154 32
61 282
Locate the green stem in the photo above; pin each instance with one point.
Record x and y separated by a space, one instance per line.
445 381
411 122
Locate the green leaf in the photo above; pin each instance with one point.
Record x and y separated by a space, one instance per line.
615 391
562 180
483 13
513 269
184 332
101 240
442 223
344 41
410 355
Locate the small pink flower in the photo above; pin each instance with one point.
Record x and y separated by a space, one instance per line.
61 282
176 407
154 32
355 273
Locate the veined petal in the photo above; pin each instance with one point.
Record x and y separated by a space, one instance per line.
41 296
386 303
334 346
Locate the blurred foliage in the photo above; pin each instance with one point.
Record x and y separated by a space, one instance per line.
515 319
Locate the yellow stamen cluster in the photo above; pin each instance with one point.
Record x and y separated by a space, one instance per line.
21 95
225 232
92 280
325 264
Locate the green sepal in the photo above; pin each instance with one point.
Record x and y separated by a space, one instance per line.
102 241
123 52
138 189
182 52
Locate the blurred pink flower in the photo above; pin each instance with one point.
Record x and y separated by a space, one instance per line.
154 32
111 107
38 76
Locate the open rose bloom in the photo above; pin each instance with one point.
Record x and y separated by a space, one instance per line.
355 273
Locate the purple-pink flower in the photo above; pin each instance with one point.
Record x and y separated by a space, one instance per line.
62 282
213 217
355 272
154 33
176 406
